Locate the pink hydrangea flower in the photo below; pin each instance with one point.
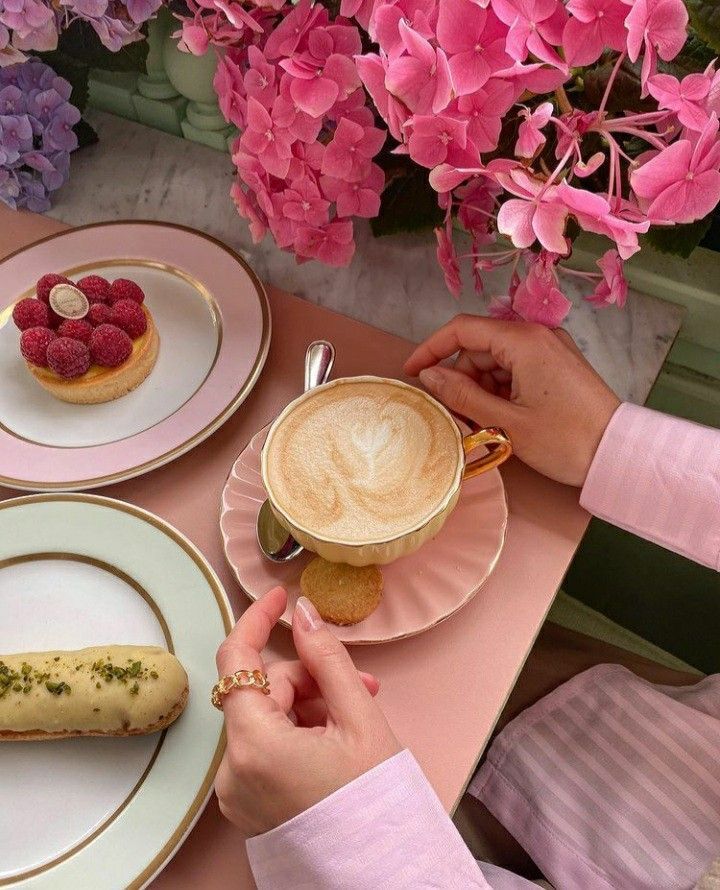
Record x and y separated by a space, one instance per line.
420 79
289 115
373 71
484 111
259 78
361 198
538 297
474 40
304 159
420 15
477 200
447 257
249 210
436 139
534 214
321 76
594 214
501 308
229 86
348 155
594 26
613 288
530 135
287 35
536 27
681 184
657 28
266 139
686 97
361 10
332 244
302 203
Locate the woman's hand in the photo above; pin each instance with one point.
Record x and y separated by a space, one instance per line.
317 730
531 381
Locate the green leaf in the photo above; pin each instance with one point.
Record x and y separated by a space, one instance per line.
695 56
80 42
678 240
85 133
73 70
705 18
409 204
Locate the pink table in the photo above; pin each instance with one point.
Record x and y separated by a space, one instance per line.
444 690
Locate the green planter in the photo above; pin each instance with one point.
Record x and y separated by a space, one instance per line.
192 77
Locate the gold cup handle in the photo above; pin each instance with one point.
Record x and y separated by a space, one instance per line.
499 448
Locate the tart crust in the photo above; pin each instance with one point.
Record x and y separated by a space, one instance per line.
100 384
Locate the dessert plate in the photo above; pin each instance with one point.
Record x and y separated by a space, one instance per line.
82 570
420 590
213 320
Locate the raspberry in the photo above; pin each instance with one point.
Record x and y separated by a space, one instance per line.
30 313
124 289
95 287
76 329
129 315
99 314
109 346
67 357
34 343
47 283
54 320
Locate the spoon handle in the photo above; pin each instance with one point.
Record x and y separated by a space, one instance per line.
319 360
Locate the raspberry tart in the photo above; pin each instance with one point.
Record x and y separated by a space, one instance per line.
88 341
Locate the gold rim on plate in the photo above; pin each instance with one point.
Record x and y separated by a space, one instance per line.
228 620
214 424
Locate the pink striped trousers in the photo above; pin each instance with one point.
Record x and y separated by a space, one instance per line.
611 782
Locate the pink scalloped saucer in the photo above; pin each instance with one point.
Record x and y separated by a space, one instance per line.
420 590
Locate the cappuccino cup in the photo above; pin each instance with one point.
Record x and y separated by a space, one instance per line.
365 470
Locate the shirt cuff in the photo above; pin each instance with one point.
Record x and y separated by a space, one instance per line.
659 477
385 829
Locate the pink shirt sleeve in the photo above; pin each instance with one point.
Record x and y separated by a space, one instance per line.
386 829
659 477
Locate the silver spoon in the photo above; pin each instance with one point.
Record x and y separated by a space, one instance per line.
275 541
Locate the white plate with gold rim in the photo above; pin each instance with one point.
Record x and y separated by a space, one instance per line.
81 570
213 319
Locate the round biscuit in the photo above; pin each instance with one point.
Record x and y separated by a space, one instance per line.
341 593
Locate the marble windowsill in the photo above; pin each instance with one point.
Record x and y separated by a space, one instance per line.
393 283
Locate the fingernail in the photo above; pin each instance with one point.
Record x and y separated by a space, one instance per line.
431 378
370 678
308 615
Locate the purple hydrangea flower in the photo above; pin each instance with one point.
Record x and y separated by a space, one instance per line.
11 100
116 22
142 10
36 134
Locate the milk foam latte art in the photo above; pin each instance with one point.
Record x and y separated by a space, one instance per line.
363 460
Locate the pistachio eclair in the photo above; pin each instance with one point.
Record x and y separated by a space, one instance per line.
100 691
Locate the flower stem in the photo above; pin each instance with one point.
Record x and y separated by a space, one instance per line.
563 101
611 82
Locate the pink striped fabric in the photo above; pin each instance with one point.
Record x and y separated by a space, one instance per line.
611 782
387 829
659 477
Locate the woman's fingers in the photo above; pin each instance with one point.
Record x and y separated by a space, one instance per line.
465 332
467 398
242 651
291 684
328 661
